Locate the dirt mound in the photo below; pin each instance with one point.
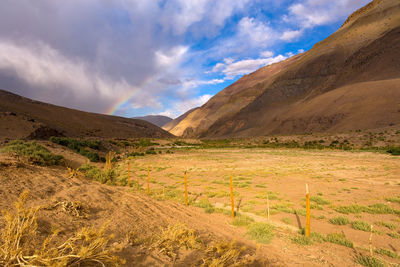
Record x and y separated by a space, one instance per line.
44 133
70 203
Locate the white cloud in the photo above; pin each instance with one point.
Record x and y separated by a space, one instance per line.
312 13
256 32
180 15
291 35
170 58
188 104
246 66
266 54
46 69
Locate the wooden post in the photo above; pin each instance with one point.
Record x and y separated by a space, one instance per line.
267 207
109 159
148 180
106 164
307 212
186 193
232 202
129 182
370 241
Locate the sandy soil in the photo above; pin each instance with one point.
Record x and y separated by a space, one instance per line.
342 178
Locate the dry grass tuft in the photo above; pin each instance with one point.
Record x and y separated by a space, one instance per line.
20 244
73 208
175 237
226 254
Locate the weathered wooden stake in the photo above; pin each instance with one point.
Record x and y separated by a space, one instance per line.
232 202
267 207
307 212
106 163
109 159
129 182
186 193
148 180
370 241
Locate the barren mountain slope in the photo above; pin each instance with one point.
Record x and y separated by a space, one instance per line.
157 120
230 100
21 117
168 126
365 49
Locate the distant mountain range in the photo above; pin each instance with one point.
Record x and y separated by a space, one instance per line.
22 117
349 81
158 120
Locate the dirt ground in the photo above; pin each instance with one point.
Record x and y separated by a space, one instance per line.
336 178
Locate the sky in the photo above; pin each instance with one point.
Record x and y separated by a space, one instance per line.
139 57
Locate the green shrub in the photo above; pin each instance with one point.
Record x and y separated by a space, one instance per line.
393 199
319 200
388 253
339 220
350 209
34 152
388 225
340 239
108 176
377 208
395 151
242 220
151 151
301 240
135 154
360 225
368 261
261 232
79 146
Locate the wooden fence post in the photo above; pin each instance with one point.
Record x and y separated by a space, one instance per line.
109 159
232 201
307 212
128 174
148 180
267 206
186 193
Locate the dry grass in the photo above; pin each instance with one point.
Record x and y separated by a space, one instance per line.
175 237
226 254
21 245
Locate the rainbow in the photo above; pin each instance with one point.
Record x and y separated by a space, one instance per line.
123 100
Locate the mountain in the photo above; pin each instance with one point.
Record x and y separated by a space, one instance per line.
168 126
158 120
21 117
349 81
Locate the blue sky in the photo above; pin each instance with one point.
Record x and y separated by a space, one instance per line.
136 57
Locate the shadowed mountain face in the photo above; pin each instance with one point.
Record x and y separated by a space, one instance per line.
25 118
349 81
158 120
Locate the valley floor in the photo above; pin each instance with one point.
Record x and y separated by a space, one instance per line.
350 191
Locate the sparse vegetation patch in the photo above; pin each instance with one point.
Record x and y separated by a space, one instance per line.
34 152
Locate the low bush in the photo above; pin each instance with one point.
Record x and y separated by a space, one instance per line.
388 253
339 221
395 151
360 225
34 152
242 220
80 147
339 239
261 232
369 261
108 176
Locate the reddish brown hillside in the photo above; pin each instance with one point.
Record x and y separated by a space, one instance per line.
21 117
361 61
